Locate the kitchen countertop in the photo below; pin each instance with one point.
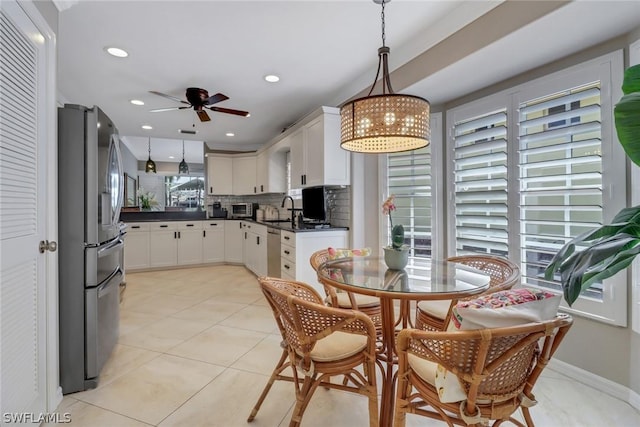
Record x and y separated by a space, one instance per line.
282 225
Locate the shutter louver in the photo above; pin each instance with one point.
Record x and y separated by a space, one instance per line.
409 179
560 176
480 176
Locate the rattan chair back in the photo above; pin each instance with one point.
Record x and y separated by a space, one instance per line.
497 369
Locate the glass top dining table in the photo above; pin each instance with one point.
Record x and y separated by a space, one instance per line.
422 279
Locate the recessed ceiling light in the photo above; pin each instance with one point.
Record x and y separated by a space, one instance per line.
136 102
147 127
115 51
171 157
271 78
230 134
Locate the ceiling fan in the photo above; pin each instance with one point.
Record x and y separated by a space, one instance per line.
199 99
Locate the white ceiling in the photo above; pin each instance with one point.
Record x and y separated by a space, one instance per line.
324 51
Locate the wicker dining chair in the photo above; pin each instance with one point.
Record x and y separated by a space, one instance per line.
496 369
367 304
504 274
320 342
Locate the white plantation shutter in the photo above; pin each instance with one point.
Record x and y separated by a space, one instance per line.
409 179
480 183
560 176
534 166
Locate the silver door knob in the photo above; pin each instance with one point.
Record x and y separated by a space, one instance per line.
46 245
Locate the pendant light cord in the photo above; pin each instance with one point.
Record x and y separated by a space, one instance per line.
382 18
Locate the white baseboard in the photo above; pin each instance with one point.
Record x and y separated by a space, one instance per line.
592 380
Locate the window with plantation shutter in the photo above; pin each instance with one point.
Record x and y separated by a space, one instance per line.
535 165
560 176
480 184
409 179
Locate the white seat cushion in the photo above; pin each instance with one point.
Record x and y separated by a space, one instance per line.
338 345
447 384
435 308
361 300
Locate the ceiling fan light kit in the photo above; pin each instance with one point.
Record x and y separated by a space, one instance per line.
388 122
150 166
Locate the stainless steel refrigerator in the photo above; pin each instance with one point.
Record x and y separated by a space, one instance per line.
90 190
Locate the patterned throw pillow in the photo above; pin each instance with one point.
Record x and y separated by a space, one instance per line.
499 309
505 308
344 253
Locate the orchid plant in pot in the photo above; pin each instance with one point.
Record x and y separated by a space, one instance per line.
397 255
611 247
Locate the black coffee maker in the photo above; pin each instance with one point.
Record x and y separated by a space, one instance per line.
217 211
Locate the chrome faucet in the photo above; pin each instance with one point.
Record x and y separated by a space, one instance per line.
293 211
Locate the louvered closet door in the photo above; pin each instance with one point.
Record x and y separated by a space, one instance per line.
22 221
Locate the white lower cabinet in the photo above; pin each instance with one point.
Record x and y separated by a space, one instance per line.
233 241
213 241
255 248
296 250
136 243
163 244
190 243
178 243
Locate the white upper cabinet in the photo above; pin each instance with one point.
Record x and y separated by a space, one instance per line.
219 175
316 156
271 171
244 175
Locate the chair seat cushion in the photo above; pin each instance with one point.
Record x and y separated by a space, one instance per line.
362 300
435 308
338 345
447 384
505 308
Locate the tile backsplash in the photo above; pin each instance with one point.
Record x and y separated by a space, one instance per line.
338 203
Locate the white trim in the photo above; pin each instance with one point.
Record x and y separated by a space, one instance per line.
597 382
634 59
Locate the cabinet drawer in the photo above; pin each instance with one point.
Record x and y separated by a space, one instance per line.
288 238
134 227
213 225
190 225
288 275
287 267
288 252
162 226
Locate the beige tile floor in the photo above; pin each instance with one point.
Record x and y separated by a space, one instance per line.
197 346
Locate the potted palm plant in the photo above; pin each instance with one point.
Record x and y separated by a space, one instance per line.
612 247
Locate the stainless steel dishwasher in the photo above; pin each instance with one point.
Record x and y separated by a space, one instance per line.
273 252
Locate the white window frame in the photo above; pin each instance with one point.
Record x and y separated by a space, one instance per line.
634 59
437 184
608 69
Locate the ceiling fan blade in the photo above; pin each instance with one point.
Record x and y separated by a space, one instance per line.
157 110
168 96
203 116
230 111
218 97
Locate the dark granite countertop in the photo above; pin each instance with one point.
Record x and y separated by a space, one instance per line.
155 216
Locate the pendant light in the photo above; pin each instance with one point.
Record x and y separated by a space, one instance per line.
150 166
183 168
388 122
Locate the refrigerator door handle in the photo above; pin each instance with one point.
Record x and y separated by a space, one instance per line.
114 245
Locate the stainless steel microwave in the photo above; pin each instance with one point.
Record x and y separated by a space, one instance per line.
242 210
